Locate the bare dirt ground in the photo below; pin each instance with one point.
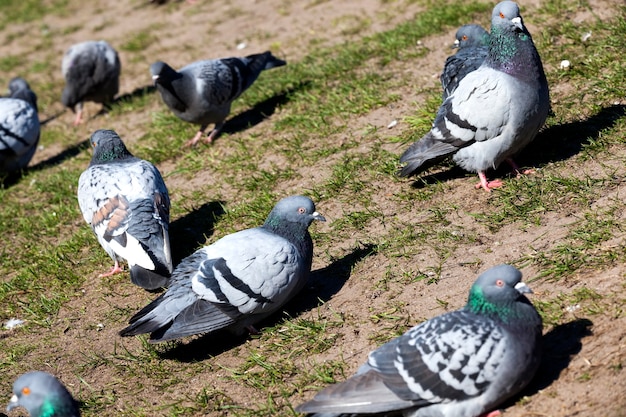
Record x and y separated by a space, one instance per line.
581 374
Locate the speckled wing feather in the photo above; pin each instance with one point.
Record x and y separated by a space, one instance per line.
19 133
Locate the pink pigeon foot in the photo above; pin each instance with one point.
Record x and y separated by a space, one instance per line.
487 185
518 172
115 270
79 118
211 136
494 413
193 141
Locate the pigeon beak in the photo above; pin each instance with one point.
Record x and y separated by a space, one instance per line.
523 288
456 44
317 216
517 21
12 403
155 78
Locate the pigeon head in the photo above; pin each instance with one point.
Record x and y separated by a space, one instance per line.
470 36
19 88
42 395
295 210
161 71
107 147
499 293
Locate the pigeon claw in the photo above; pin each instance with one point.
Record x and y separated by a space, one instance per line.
115 270
487 185
193 141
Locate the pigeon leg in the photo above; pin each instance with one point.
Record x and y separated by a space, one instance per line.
115 270
79 114
193 141
494 413
252 329
216 131
518 173
487 185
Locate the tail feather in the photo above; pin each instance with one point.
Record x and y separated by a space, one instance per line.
425 153
150 280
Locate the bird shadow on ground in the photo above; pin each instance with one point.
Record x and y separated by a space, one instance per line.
137 92
190 231
552 144
260 111
560 345
323 284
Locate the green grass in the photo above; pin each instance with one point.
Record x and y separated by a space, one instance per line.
319 142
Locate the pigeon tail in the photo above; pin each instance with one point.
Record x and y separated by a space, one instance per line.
150 280
424 154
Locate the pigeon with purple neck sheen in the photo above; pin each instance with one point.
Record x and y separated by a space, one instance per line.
42 395
463 363
92 73
19 126
202 92
126 202
472 42
495 111
236 281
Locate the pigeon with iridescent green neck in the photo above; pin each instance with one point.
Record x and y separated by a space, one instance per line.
495 111
43 395
463 363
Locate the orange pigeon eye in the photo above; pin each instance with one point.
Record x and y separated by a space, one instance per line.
26 391
501 15
464 37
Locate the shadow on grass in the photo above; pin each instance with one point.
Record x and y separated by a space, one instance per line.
260 111
552 144
190 231
323 284
559 346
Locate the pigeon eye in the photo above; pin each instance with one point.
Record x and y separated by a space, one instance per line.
26 391
501 15
301 210
464 37
500 283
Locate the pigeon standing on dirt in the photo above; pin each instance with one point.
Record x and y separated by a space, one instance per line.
236 281
472 42
495 111
92 73
462 363
42 395
125 201
202 92
19 126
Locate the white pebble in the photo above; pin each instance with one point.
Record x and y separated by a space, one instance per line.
392 124
585 37
564 64
241 46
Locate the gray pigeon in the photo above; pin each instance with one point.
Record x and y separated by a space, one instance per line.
92 73
19 126
42 395
125 201
495 111
472 42
202 92
236 281
462 363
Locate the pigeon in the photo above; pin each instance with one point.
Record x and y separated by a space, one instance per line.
463 363
19 126
236 281
92 73
472 42
43 395
495 111
202 92
126 202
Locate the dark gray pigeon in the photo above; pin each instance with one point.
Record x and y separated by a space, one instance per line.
125 201
463 363
236 281
19 126
472 42
495 111
42 395
92 73
202 92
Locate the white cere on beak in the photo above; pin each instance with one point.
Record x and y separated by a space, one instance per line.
523 288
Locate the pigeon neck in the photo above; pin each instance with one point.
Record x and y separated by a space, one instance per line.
514 54
505 311
115 153
296 234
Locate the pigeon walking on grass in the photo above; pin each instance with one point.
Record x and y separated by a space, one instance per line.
125 201
472 42
42 395
19 126
202 92
495 111
463 363
92 73
236 281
